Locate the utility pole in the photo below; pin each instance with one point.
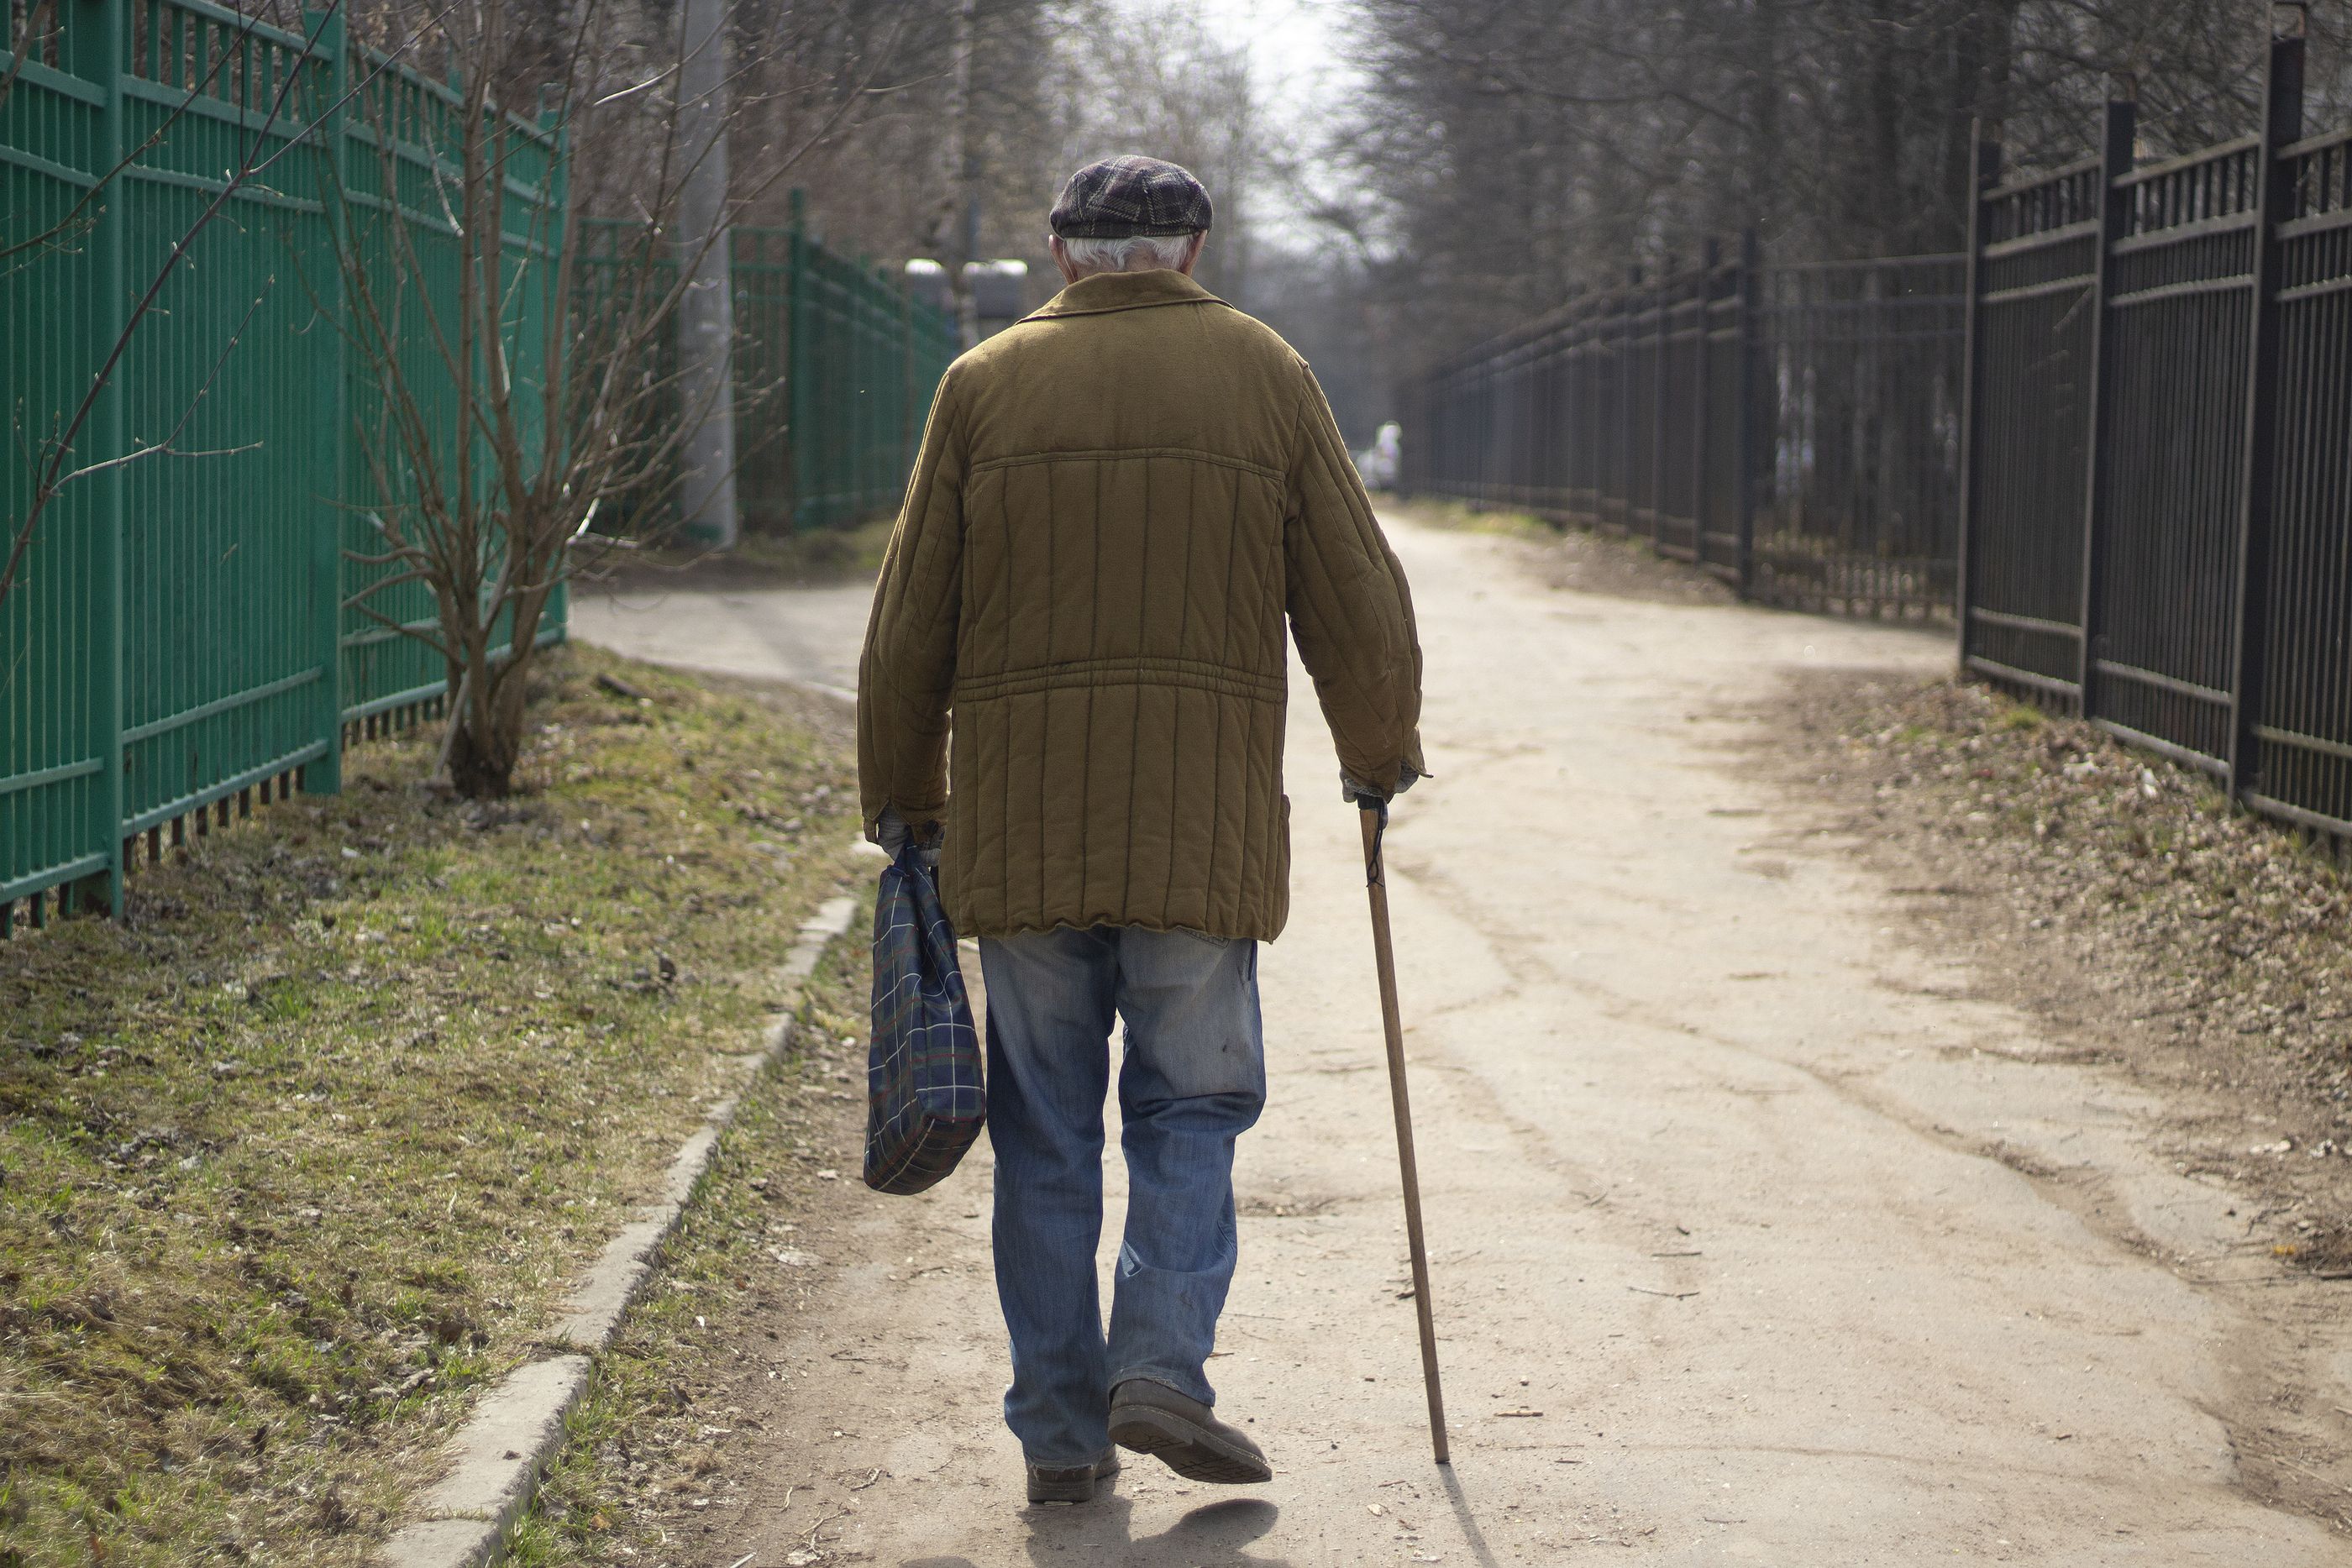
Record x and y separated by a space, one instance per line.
705 320
958 231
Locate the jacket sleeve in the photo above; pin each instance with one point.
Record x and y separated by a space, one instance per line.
1350 608
907 672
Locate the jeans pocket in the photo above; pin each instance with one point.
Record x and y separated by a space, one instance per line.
1203 937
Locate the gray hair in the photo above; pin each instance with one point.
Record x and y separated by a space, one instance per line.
1137 253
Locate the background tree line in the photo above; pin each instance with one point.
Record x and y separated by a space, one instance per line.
1512 151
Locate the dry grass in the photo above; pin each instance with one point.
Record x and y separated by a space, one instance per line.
644 1444
815 558
297 1156
1460 516
1574 558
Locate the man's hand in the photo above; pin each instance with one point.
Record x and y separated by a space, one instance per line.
1356 791
890 831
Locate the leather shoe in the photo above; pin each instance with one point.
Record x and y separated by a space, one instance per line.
1070 1483
1186 1435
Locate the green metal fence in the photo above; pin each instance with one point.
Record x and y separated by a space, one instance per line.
865 359
184 632
835 368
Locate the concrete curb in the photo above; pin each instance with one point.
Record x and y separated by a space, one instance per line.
496 1458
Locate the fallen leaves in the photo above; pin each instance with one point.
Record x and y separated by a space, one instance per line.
2210 941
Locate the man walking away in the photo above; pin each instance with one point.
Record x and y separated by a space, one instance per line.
1118 501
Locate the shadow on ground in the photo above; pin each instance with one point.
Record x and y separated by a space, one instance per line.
1212 1536
1463 1518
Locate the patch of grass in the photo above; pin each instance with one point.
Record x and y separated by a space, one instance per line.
818 554
2015 717
815 558
638 1449
1572 556
296 1158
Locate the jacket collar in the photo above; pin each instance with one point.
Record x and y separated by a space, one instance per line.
1105 291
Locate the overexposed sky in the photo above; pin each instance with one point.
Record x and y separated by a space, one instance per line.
1297 49
1295 53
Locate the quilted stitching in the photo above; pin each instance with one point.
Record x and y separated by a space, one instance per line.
1095 568
1117 672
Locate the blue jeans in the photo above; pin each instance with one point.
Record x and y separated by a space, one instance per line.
1194 1079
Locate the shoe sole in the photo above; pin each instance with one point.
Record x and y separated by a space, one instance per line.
1082 1489
1191 1452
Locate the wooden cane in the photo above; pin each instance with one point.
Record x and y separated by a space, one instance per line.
1375 820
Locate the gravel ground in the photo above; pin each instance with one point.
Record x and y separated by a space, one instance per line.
2122 899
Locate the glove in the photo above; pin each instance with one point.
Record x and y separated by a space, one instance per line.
890 831
1354 789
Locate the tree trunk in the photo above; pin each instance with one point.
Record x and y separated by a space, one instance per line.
480 767
486 720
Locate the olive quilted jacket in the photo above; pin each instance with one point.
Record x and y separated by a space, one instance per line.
1118 502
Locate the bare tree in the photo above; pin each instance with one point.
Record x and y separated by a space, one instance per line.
864 96
513 389
1156 79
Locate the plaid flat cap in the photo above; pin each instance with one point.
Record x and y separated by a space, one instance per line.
1118 198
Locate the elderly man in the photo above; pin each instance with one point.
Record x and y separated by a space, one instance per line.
1119 502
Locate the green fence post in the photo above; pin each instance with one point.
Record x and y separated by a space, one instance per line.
796 359
886 387
102 53
833 302
324 774
869 386
556 338
907 377
840 361
862 389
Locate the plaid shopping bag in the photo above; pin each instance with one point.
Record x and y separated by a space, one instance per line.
923 1096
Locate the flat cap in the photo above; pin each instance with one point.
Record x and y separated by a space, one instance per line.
1118 198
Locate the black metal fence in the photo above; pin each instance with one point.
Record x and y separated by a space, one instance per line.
1859 506
2160 486
1793 429
2114 438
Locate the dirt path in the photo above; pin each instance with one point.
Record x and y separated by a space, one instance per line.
1755 1238
807 635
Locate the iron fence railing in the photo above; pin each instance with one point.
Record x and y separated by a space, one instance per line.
1794 429
185 633
2158 518
1856 504
2114 439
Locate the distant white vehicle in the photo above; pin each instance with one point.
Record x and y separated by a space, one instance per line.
999 290
1377 461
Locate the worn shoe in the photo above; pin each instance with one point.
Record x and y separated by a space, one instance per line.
1153 1418
1069 1483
